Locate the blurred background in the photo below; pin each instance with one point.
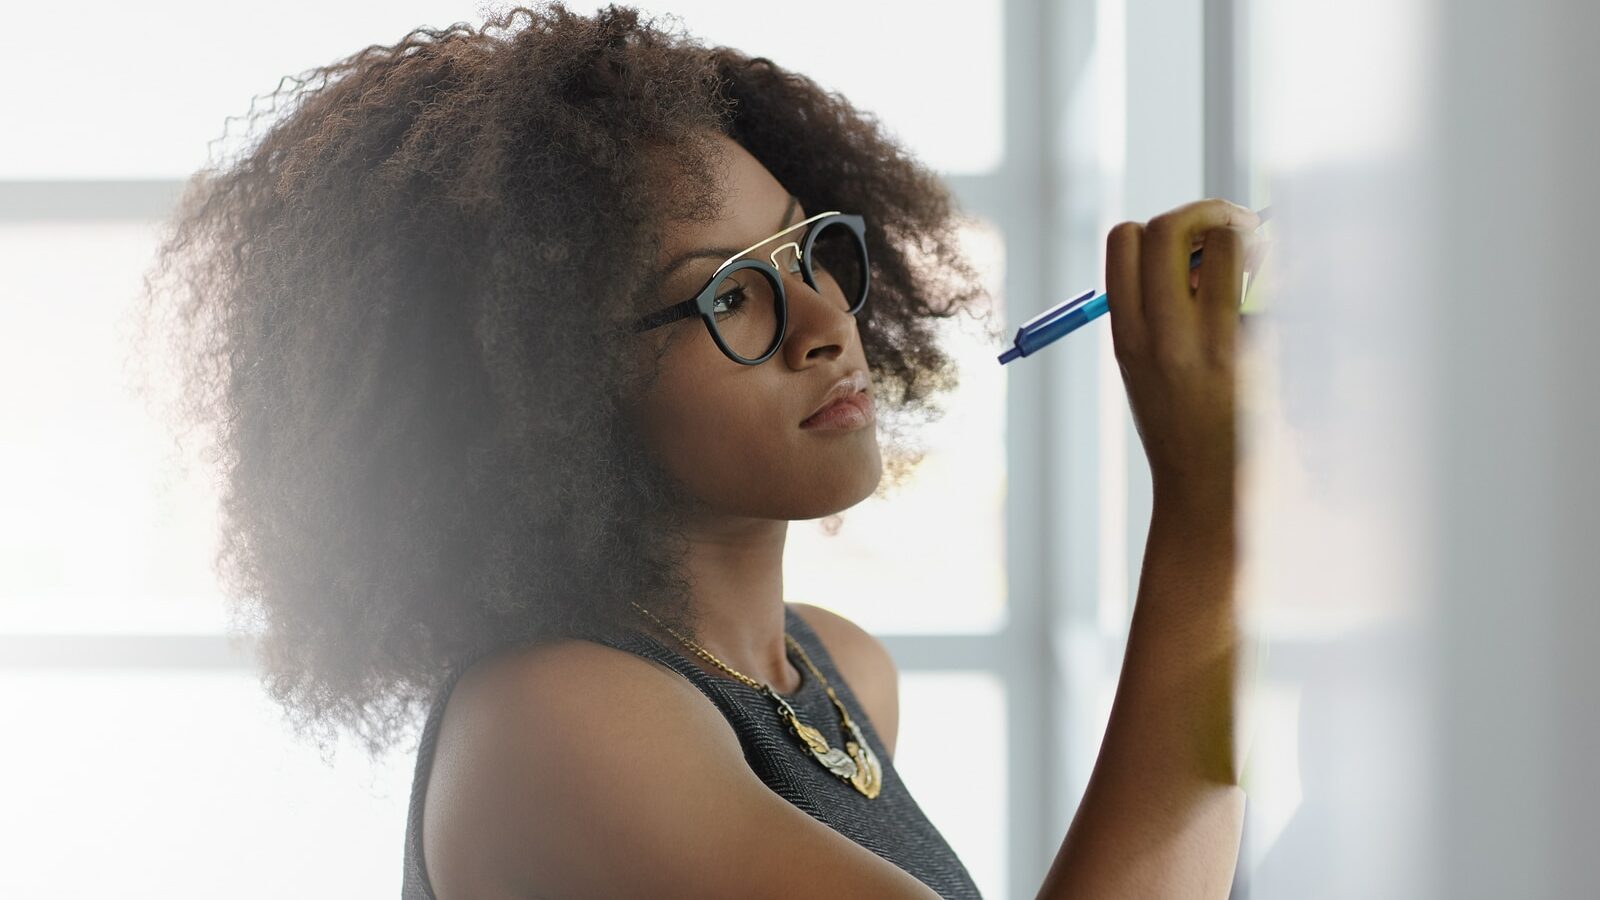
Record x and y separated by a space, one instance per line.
1422 418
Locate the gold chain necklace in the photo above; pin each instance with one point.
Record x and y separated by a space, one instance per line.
856 763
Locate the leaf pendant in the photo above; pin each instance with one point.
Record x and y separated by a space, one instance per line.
869 774
833 759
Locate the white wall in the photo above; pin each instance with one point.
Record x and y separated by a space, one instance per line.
1427 582
1518 427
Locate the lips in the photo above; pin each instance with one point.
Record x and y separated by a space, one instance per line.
851 384
846 413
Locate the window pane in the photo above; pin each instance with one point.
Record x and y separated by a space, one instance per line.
958 775
185 784
929 558
149 107
97 532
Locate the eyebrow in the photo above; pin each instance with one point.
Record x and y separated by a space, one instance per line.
721 253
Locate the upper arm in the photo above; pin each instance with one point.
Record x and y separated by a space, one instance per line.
578 770
865 663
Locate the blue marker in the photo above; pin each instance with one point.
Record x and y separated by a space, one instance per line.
1064 318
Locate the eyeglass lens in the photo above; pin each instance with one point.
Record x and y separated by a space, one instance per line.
745 308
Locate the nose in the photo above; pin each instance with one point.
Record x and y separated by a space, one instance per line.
819 325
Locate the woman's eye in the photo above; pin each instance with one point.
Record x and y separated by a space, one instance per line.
729 301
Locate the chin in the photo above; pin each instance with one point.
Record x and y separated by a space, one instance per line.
860 490
842 492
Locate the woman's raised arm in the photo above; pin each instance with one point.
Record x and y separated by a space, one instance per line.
1163 813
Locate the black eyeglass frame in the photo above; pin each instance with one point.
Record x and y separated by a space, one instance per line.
701 303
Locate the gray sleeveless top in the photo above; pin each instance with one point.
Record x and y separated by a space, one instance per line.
891 825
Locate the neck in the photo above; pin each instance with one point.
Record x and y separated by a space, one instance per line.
735 569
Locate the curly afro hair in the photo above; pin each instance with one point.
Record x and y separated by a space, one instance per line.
368 304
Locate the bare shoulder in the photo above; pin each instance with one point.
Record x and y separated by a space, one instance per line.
514 723
865 663
574 769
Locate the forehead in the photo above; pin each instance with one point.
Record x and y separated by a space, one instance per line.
752 202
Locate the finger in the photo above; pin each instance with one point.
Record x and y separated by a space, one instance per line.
1189 223
1221 282
1171 317
1255 250
1256 255
1168 308
1122 289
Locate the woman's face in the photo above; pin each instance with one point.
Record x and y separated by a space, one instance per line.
731 433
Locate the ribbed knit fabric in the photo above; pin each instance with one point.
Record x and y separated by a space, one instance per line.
891 825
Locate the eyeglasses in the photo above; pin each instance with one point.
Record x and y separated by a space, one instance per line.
743 303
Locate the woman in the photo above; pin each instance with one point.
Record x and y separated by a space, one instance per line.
523 345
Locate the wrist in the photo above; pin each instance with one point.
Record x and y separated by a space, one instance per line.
1208 499
1208 514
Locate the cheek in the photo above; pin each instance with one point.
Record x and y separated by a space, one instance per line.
700 420
722 445
704 420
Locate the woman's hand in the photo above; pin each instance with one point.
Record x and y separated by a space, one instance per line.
1175 334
